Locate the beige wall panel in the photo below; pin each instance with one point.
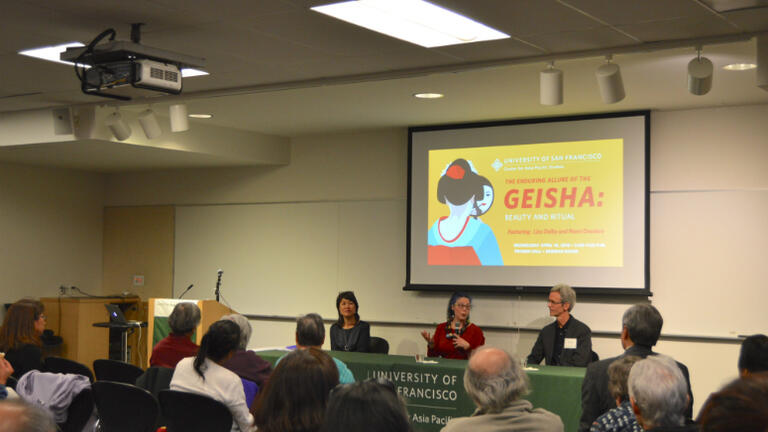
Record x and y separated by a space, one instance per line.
138 241
50 228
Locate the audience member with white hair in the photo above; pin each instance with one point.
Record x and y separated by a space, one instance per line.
247 364
20 416
496 383
659 395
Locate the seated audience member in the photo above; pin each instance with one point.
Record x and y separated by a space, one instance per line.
457 337
5 372
177 345
296 395
566 341
251 368
658 394
20 336
205 375
740 406
496 383
349 333
754 355
310 333
371 405
621 418
20 416
641 328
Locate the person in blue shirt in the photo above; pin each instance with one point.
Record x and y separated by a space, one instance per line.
310 333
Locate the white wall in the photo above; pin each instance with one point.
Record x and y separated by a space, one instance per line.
709 195
50 229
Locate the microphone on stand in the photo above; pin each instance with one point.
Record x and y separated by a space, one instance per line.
186 290
218 283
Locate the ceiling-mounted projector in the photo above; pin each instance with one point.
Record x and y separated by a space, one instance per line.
113 64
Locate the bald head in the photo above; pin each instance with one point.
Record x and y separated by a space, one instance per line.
489 361
493 379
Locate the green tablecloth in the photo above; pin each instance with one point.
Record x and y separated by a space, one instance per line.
435 393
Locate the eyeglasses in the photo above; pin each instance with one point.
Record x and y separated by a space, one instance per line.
45 318
550 302
463 306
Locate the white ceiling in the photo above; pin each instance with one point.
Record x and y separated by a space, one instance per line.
279 68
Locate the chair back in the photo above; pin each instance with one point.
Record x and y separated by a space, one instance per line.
117 371
189 412
79 412
378 345
125 407
62 365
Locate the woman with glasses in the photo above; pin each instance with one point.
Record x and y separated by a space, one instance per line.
457 337
20 336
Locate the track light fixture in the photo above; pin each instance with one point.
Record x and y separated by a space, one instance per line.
179 119
700 74
609 81
149 123
551 85
118 126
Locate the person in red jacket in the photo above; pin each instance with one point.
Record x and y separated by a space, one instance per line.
457 337
178 345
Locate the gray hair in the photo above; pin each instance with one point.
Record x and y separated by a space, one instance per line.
658 388
643 322
18 415
618 372
310 330
184 317
245 329
492 392
567 294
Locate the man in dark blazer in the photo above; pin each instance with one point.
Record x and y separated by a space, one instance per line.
641 328
567 341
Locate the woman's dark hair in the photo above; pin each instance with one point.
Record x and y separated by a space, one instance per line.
347 295
371 405
221 338
19 325
297 392
460 183
457 295
740 406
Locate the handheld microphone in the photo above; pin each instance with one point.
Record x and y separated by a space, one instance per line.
186 290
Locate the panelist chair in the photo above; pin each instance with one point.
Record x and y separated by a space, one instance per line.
117 371
190 412
378 345
62 365
125 407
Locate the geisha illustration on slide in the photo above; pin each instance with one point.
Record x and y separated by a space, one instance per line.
461 238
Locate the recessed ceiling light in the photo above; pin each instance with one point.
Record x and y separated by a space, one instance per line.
51 53
414 21
739 66
189 72
428 95
200 116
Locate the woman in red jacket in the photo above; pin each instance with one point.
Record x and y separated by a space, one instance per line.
457 337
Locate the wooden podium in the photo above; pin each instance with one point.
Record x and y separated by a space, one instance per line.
158 309
72 318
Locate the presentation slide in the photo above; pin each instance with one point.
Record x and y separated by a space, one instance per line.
527 205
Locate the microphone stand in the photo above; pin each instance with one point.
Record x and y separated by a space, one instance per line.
218 284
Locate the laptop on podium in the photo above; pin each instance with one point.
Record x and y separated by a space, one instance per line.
116 316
